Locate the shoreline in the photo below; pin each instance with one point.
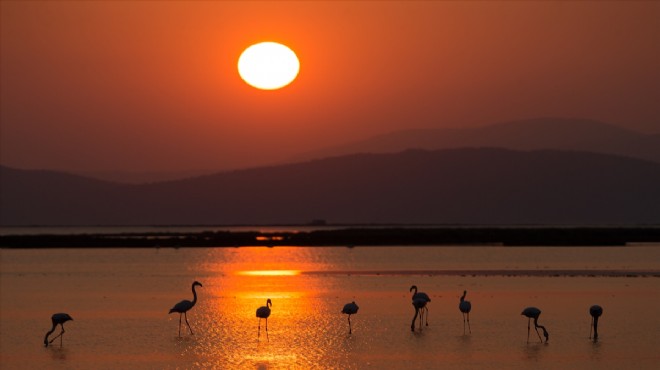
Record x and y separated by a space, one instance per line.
350 237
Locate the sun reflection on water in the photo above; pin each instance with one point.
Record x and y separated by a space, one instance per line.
270 272
300 321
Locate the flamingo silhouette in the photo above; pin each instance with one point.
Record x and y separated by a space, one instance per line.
534 313
595 311
465 307
262 313
185 305
57 319
419 301
350 309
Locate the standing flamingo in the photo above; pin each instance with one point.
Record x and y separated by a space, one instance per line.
57 319
465 307
185 305
534 313
419 301
350 309
262 313
595 311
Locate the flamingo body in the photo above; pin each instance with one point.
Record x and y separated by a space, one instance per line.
419 301
184 306
465 307
350 309
534 313
57 319
595 311
263 312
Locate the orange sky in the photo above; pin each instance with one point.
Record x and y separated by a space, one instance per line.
137 86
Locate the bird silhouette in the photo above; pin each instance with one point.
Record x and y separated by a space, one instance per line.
185 305
419 301
262 313
57 319
350 309
534 313
465 307
595 311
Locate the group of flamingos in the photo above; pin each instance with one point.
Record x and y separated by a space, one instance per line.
419 301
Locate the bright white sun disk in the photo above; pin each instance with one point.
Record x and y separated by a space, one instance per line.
268 65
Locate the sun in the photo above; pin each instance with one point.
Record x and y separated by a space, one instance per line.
268 65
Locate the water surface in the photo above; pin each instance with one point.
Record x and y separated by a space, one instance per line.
119 299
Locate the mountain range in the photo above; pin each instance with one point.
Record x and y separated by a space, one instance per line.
448 186
531 134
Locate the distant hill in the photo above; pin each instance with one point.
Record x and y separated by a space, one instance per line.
532 134
463 186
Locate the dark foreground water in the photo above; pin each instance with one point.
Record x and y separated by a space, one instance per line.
119 299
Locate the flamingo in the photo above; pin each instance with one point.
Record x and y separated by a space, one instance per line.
350 309
262 313
419 301
185 305
595 311
465 307
534 313
57 319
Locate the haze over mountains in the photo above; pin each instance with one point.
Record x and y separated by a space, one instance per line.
455 186
541 133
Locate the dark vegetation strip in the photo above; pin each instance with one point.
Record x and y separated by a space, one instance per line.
527 236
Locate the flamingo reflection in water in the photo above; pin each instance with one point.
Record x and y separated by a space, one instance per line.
419 301
350 309
184 306
262 313
534 313
57 319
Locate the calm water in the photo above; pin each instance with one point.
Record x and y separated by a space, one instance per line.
119 299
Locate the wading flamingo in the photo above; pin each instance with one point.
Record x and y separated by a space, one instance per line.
419 301
595 311
465 307
262 313
350 309
57 319
534 313
185 305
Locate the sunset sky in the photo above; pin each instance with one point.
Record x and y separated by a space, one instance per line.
153 85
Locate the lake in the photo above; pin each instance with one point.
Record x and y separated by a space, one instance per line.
120 298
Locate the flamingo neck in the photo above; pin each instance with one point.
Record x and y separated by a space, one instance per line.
596 326
194 295
463 297
49 333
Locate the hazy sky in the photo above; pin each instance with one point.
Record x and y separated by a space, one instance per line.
127 85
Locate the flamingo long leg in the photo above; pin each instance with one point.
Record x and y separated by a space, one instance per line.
412 325
537 333
259 329
592 327
427 315
187 323
468 321
350 330
267 330
179 324
528 326
58 336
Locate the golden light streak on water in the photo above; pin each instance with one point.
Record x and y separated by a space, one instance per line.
270 272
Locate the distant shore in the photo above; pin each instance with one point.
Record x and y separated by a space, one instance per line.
350 237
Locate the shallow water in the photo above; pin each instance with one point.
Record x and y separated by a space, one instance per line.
119 299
